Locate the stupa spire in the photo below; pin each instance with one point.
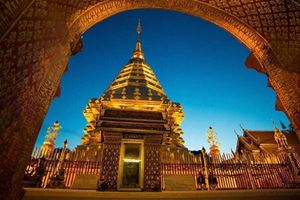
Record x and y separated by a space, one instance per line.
138 52
136 80
139 29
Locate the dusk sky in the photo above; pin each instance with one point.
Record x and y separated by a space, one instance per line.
197 63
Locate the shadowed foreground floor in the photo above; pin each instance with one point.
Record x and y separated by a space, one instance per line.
56 194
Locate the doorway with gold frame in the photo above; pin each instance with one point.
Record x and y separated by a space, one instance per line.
131 165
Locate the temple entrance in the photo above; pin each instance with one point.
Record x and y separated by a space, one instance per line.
131 166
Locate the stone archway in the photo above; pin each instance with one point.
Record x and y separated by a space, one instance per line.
38 37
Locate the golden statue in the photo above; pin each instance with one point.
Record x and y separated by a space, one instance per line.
214 145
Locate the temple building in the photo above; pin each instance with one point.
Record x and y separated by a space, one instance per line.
132 125
133 142
267 142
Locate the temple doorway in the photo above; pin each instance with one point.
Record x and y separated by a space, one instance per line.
131 166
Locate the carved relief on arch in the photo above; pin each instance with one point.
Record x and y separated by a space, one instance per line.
278 105
252 62
243 32
297 120
286 85
76 46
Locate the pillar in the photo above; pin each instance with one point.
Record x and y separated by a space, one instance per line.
110 159
152 176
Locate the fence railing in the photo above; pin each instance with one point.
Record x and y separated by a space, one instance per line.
238 176
70 166
71 169
230 171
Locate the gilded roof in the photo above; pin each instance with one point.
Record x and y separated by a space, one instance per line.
136 80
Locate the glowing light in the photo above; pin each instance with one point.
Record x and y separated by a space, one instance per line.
131 160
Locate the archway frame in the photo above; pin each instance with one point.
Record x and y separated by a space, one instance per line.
31 103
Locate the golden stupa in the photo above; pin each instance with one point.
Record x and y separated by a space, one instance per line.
133 125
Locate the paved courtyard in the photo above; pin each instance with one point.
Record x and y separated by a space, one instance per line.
56 194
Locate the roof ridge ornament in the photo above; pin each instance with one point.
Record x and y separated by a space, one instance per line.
138 53
139 29
238 136
280 138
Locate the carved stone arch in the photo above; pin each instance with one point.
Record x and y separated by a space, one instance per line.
243 32
38 37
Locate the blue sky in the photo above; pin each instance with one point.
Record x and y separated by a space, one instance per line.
198 64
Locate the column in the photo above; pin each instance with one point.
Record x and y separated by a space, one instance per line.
152 176
110 159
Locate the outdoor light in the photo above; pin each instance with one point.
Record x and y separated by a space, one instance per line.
127 160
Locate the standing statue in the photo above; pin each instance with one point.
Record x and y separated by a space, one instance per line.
214 145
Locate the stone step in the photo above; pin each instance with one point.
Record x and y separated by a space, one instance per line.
69 194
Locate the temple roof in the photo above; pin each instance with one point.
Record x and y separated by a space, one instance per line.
267 137
264 140
136 80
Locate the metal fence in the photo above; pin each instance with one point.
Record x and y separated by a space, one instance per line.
229 170
70 166
238 176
